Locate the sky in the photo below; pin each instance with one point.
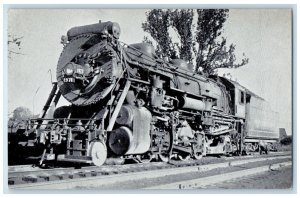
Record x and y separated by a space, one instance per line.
263 35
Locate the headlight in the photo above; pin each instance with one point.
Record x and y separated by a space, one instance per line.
69 69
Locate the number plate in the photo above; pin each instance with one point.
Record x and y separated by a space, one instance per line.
69 80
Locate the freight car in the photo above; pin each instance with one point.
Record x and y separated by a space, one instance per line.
128 102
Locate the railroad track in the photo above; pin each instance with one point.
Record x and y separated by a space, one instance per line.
107 176
203 182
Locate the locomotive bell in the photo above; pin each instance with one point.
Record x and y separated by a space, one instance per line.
182 64
146 48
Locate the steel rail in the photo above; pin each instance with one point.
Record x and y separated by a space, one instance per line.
94 177
215 179
30 169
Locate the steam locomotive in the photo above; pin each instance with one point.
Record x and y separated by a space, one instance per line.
127 102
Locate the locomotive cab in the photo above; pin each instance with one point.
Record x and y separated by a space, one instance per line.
238 95
240 102
260 121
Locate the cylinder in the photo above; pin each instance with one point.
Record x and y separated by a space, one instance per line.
120 140
191 103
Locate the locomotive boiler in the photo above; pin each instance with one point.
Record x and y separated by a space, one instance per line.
128 102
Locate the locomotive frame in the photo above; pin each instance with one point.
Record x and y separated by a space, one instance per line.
127 102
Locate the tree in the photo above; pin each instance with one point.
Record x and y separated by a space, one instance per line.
212 53
158 22
182 21
287 140
21 113
205 45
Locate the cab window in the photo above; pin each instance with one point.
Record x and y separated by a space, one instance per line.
242 97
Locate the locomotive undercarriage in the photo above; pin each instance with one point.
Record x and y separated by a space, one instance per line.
127 126
180 135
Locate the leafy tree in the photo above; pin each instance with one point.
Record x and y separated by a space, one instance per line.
287 140
182 21
21 113
158 22
10 123
205 45
212 53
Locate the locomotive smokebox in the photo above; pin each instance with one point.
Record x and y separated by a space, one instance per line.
89 66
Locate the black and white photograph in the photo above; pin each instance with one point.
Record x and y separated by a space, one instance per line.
149 99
